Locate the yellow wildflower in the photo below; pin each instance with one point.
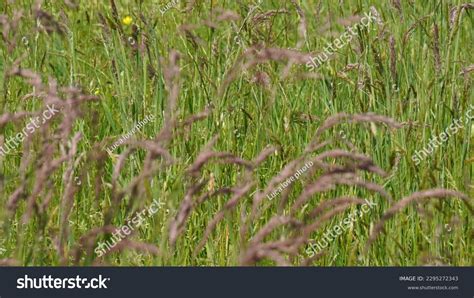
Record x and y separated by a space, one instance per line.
127 20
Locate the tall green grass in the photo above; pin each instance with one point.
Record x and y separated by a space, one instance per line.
424 98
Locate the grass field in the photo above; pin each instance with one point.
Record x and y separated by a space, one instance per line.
226 81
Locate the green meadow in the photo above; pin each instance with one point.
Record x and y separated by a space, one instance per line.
240 67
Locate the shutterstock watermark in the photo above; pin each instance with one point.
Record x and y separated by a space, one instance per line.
49 282
344 39
451 130
29 129
132 224
346 223
2 248
290 180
